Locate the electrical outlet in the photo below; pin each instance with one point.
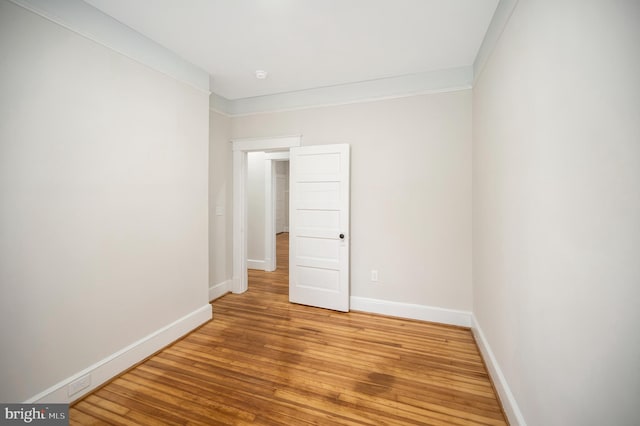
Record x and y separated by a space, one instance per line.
79 384
374 275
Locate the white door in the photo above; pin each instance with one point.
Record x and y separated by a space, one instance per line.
319 226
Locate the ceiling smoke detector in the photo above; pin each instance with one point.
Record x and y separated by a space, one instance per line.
261 74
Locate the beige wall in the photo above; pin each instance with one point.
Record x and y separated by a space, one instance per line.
103 212
220 199
410 186
556 187
255 210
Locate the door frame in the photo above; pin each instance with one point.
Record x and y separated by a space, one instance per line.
240 149
270 208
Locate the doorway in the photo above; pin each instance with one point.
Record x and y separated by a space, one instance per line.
276 206
319 220
267 206
241 147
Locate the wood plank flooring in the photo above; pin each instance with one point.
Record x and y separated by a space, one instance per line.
265 361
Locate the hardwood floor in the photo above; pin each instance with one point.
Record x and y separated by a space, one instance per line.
263 360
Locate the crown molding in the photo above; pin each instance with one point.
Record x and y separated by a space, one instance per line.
498 23
91 23
364 91
219 104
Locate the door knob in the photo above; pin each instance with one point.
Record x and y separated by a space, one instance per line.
342 236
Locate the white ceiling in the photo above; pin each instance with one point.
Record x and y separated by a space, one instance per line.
306 44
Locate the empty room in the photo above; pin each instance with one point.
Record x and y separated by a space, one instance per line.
358 212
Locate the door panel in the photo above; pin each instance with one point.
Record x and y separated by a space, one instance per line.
319 195
319 226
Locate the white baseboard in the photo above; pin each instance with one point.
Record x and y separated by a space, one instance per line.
411 311
507 399
269 265
256 264
109 367
220 289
